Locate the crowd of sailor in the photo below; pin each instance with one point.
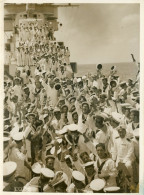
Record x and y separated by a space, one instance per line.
68 134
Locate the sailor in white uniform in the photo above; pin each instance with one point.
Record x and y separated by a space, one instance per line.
123 150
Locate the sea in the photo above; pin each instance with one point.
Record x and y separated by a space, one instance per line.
126 70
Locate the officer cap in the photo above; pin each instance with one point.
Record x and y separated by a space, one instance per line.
78 176
121 128
60 177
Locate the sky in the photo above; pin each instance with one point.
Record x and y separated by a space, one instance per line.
100 33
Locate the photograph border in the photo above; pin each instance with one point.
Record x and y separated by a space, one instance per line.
141 2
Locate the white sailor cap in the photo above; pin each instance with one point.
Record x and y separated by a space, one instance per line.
84 77
135 91
99 115
62 131
18 136
77 175
9 168
72 127
72 98
90 163
112 189
75 80
67 139
123 83
30 114
17 78
136 132
121 127
5 133
78 80
68 156
6 139
36 168
62 98
45 108
56 109
97 184
56 79
50 157
7 119
60 177
59 140
38 74
48 173
52 151
134 110
85 103
125 105
45 115
43 71
67 89
64 106
116 116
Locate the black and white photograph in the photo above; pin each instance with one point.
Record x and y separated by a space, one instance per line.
71 101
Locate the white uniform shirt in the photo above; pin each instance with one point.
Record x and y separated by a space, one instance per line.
123 150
